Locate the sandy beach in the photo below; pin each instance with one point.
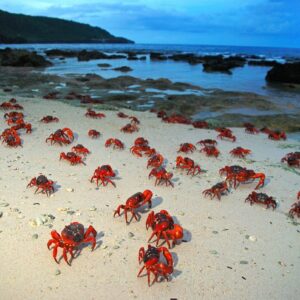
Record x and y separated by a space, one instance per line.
231 250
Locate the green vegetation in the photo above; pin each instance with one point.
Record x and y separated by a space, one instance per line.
18 28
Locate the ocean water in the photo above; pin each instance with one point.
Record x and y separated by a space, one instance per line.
246 79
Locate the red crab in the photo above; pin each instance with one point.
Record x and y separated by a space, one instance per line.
61 136
140 150
177 119
71 238
135 201
186 148
94 134
122 115
14 114
140 141
22 125
80 149
261 198
277 135
72 157
250 128
240 152
10 106
210 151
292 159
161 114
245 175
49 119
152 263
188 164
11 138
231 170
295 209
163 226
117 144
134 120
207 142
162 176
103 173
265 130
200 124
155 161
51 96
129 128
217 190
14 120
92 114
225 133
42 183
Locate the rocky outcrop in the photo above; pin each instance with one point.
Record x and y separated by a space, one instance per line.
61 53
263 63
285 73
220 64
123 69
104 65
85 55
157 56
22 58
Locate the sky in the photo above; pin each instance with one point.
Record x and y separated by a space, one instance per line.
274 23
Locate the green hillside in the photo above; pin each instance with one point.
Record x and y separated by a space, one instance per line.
18 28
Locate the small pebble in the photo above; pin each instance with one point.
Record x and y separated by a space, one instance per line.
69 189
35 236
4 204
252 238
130 234
243 262
1 214
213 252
93 208
62 208
57 272
181 213
116 247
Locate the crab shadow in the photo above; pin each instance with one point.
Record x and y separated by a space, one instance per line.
145 209
75 137
85 245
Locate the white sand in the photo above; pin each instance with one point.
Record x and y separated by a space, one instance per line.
216 231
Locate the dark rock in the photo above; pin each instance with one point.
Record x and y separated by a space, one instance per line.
22 58
124 69
132 58
220 64
264 63
85 55
104 65
62 53
285 73
157 56
187 57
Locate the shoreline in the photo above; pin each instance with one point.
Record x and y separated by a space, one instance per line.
219 108
218 259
